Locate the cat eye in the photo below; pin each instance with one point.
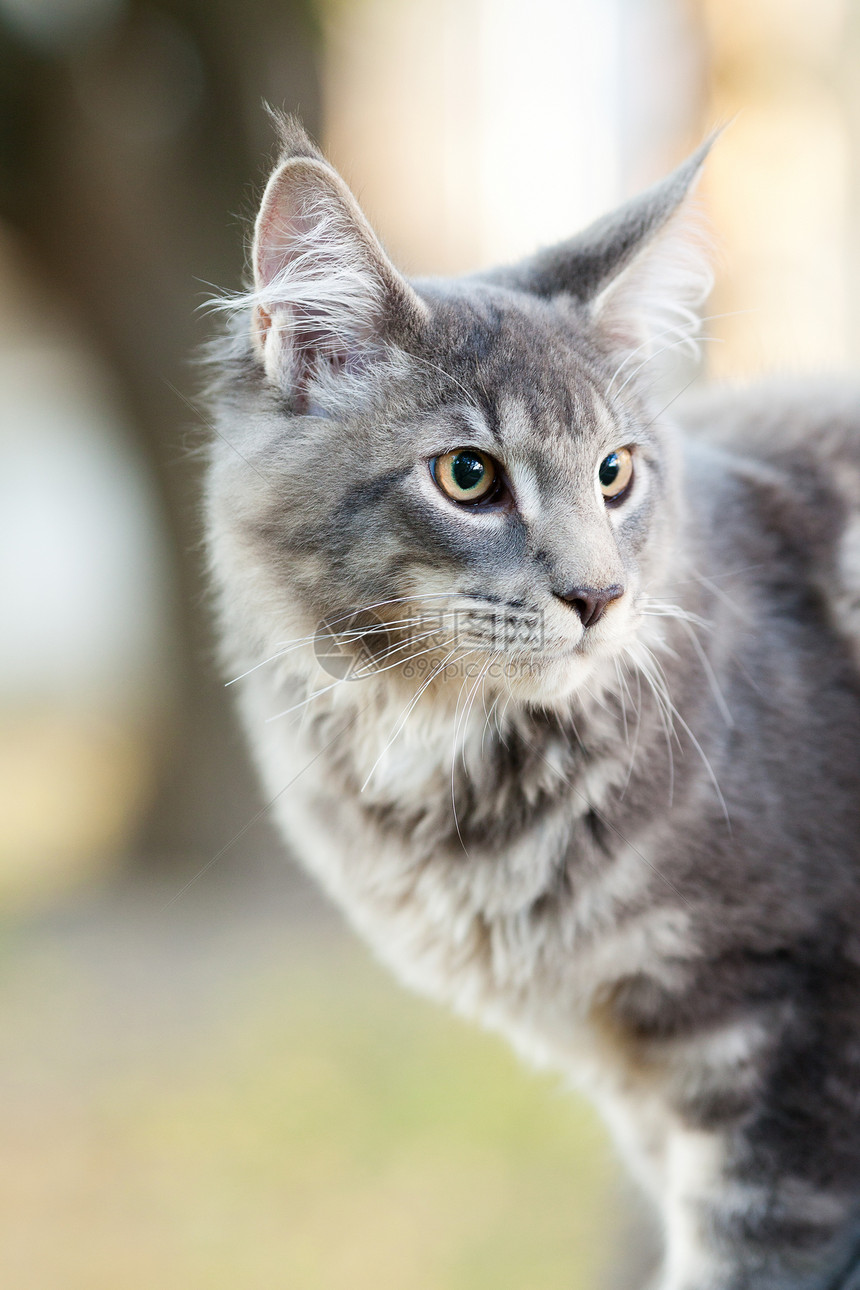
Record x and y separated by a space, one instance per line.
466 475
615 473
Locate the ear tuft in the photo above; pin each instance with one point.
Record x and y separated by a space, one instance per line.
293 138
326 300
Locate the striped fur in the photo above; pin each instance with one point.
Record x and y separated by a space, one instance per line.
632 848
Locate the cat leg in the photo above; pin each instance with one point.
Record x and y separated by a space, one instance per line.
729 1229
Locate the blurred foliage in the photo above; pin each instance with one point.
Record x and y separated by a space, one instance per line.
132 135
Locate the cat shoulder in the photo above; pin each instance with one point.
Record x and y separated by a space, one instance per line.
796 444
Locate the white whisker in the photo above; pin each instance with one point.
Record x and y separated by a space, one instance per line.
664 349
649 668
653 673
454 754
638 709
689 330
471 703
400 724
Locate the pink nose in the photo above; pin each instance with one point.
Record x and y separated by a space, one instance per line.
590 602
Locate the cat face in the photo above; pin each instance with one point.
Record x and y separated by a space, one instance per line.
460 478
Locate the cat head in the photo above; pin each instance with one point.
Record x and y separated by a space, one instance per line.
472 472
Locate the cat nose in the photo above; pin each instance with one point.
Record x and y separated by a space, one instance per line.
590 602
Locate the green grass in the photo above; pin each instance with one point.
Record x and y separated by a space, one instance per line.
306 1124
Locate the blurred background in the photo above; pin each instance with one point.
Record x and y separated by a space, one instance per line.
204 1081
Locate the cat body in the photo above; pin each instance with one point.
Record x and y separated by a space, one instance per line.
615 815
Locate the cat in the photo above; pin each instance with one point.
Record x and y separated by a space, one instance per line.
591 773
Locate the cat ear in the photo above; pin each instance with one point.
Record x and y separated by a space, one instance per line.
326 298
640 272
652 301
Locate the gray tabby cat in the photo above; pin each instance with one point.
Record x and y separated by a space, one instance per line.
594 778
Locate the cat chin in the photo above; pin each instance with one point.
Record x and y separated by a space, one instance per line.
552 682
